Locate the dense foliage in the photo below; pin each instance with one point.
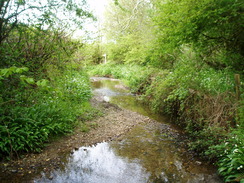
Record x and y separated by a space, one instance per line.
43 92
213 28
31 112
181 56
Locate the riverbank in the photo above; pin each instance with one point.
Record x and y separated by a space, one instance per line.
200 100
113 124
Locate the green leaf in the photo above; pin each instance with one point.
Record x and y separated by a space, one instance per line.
42 83
21 2
222 169
21 70
30 80
5 72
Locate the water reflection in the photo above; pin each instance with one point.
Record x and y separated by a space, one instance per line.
109 87
98 164
149 153
115 92
162 156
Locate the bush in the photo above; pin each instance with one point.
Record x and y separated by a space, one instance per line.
31 116
230 155
42 92
199 97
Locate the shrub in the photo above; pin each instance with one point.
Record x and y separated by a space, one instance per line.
30 116
230 155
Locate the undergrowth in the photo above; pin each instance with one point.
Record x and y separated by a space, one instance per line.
201 100
33 111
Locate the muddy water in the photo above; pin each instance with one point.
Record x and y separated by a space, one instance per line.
149 153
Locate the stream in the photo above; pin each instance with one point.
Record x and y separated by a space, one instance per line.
149 153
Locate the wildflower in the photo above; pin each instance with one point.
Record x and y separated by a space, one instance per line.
235 151
239 167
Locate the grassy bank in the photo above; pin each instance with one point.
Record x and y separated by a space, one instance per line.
43 92
32 113
201 100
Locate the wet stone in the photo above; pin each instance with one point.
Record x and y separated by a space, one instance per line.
14 171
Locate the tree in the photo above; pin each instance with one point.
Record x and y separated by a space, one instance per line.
45 14
127 30
126 18
211 27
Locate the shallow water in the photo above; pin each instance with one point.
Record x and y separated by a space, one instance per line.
99 164
149 153
113 91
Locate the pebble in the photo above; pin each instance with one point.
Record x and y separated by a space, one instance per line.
198 162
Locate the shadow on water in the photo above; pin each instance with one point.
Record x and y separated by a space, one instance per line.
149 153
